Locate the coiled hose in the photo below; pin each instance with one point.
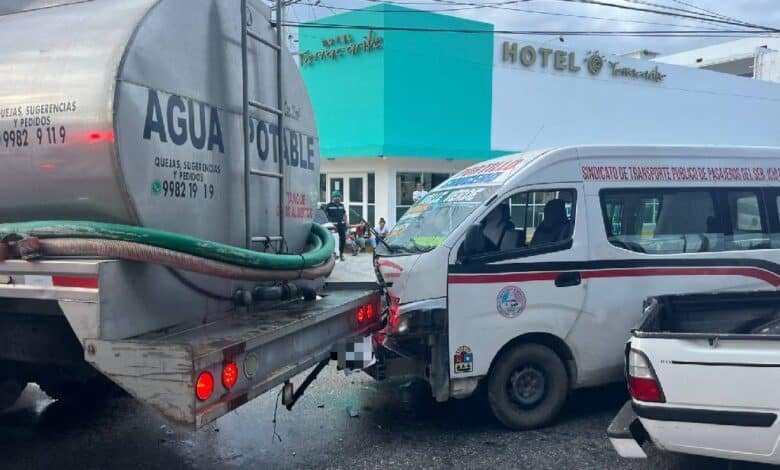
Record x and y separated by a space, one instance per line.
82 238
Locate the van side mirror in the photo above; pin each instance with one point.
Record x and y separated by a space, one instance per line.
473 244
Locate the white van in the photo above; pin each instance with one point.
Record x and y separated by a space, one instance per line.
526 272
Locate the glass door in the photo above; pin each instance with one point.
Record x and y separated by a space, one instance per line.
353 188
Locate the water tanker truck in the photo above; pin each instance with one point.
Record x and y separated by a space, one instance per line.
160 169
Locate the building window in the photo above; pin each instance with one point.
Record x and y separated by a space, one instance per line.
358 194
405 183
356 189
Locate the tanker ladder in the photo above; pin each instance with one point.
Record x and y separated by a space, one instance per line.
247 20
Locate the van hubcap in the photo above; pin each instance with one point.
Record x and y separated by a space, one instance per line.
527 385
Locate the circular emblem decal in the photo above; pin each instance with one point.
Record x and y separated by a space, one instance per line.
595 62
510 301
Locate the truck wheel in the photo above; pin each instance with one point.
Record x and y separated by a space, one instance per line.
527 386
10 390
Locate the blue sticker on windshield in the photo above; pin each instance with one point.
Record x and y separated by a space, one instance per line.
473 179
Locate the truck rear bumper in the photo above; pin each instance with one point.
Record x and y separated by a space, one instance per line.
726 434
265 348
626 433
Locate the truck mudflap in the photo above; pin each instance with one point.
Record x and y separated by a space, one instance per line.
195 375
626 433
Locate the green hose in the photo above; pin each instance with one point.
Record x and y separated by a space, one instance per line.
320 239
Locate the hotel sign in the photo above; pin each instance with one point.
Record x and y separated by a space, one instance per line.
341 46
566 61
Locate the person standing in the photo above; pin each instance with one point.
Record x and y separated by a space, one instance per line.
382 230
338 215
419 193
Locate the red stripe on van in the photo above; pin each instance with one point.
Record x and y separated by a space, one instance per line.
755 273
766 276
508 277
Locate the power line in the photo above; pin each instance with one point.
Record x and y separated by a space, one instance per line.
696 7
667 13
469 7
499 7
648 33
682 10
706 12
693 17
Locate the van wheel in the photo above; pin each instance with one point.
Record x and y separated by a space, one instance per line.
527 386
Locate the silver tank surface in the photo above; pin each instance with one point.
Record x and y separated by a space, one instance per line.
129 111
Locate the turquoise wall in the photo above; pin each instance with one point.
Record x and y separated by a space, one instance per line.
423 94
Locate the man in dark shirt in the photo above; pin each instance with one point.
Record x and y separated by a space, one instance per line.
338 215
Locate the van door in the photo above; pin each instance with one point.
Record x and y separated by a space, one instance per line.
649 241
514 273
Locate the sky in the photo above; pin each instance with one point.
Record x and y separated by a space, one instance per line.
524 15
518 16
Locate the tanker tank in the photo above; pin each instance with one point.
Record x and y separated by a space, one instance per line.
130 112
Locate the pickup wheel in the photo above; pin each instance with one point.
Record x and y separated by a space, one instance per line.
527 386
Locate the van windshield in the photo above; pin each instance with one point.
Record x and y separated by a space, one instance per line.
428 223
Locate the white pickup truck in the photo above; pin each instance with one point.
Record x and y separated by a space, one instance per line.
703 371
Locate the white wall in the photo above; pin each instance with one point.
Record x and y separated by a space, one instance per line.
537 107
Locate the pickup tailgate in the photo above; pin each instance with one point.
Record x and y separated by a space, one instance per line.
721 397
715 372
716 359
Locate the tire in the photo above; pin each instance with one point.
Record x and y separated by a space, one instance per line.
527 386
10 390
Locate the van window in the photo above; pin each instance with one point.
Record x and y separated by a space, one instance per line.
665 221
527 223
773 208
748 229
661 221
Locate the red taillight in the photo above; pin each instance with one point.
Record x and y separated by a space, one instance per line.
204 386
75 281
642 382
229 375
645 389
366 314
361 314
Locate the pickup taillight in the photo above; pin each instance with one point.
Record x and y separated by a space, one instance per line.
642 381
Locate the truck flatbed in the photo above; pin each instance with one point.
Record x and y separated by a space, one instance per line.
264 345
268 346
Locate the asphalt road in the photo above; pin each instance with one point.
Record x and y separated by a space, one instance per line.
392 424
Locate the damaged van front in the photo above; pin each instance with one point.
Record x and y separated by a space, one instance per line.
413 264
